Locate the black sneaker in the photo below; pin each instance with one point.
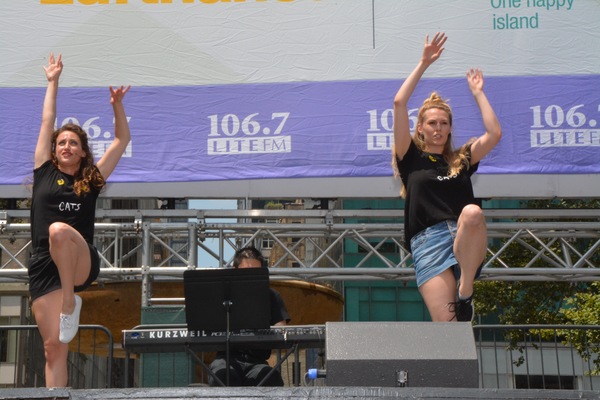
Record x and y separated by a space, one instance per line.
464 310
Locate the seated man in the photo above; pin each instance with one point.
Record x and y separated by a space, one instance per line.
249 367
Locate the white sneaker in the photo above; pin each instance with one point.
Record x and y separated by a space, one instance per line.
69 324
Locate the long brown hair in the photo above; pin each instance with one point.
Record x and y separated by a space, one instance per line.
456 159
88 174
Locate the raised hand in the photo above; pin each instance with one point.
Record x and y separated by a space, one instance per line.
432 51
475 79
54 67
116 95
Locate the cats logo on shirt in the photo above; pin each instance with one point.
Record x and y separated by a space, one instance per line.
67 206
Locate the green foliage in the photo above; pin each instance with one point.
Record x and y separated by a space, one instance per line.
274 205
563 203
523 302
584 309
558 303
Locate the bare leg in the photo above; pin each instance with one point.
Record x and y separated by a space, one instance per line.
438 293
71 255
47 310
470 246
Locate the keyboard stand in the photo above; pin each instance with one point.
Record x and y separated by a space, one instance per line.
288 353
293 349
227 305
203 365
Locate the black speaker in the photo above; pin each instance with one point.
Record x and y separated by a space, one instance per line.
401 354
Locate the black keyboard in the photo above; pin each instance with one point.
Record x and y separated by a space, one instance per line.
179 339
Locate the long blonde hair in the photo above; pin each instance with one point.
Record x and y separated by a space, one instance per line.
456 159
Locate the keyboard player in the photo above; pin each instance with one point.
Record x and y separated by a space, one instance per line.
249 367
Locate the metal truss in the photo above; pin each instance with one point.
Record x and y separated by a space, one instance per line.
318 245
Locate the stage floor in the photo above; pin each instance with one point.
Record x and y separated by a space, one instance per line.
293 393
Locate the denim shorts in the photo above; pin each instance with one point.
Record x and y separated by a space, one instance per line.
433 251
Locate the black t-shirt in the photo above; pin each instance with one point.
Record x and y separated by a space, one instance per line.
278 310
53 200
431 195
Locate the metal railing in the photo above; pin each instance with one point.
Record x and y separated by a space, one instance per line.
90 364
538 356
510 357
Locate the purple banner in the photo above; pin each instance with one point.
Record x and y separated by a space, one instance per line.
313 129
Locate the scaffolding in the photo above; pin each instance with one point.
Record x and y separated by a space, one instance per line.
559 244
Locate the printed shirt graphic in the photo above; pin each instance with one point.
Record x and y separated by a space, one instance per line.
53 200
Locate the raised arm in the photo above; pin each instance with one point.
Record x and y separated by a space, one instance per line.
43 147
486 142
113 154
431 52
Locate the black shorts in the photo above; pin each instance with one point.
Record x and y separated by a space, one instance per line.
43 274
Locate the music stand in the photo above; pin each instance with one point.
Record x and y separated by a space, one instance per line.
227 300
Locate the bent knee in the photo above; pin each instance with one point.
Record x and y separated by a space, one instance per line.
472 215
59 231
